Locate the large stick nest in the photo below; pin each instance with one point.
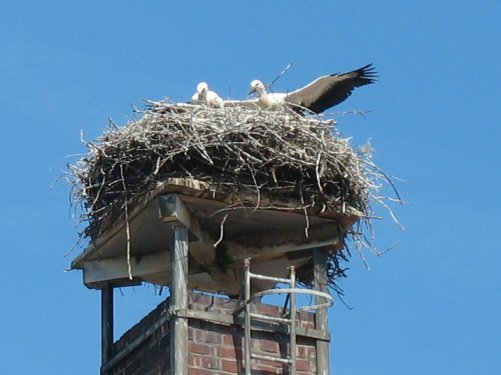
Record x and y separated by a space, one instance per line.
273 153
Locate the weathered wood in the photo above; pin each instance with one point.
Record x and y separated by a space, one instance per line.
271 237
272 245
156 268
326 232
198 193
106 324
293 328
97 272
179 301
170 185
247 317
173 209
257 325
320 283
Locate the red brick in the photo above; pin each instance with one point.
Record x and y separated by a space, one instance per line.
199 299
304 351
269 346
192 360
207 337
200 371
274 364
306 324
192 332
228 340
305 365
229 352
194 347
267 309
266 370
207 362
230 366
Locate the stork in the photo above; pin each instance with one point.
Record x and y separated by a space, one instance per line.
206 96
321 94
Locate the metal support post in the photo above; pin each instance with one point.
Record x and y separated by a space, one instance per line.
179 301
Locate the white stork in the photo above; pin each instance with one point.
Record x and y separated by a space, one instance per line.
321 94
206 96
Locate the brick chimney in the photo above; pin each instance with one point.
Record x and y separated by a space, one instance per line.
215 341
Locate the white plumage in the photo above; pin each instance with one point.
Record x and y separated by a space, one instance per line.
319 95
206 96
266 99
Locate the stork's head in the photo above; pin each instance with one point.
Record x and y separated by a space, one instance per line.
257 86
202 88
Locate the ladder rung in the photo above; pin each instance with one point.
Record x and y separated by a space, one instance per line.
269 278
270 358
271 318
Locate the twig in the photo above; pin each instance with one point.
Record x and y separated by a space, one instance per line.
285 70
221 231
127 227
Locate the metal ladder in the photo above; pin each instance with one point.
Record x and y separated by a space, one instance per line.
291 321
291 291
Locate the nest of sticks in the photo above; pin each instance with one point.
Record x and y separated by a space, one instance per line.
273 153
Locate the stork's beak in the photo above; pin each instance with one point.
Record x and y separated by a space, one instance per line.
252 91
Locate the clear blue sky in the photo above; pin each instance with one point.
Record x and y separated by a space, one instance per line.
432 305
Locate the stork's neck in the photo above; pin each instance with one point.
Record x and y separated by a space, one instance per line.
261 92
202 96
